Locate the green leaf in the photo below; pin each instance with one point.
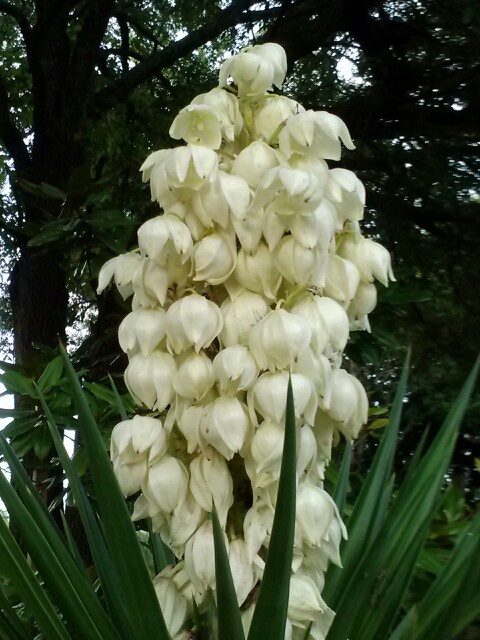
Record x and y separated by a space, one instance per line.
341 487
229 620
14 565
269 618
66 583
16 383
51 375
140 598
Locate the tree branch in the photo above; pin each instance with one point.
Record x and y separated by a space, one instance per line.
236 13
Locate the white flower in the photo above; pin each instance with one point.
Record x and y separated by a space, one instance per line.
241 568
314 513
328 322
371 259
306 450
267 396
194 377
150 378
225 106
347 193
342 280
279 339
214 258
140 438
316 133
200 557
235 369
185 520
363 303
130 475
211 482
271 113
254 162
266 449
257 524
166 483
172 603
122 269
213 202
143 329
197 124
225 425
192 321
300 265
257 271
165 236
348 404
289 190
305 602
239 316
255 69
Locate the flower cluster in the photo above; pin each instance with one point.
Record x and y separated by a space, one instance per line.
255 270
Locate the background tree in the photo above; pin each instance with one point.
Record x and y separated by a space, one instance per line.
88 88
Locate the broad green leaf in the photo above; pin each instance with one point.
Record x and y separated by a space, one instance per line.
269 618
51 375
229 620
16 383
140 599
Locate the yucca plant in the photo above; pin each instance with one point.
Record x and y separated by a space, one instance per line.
244 291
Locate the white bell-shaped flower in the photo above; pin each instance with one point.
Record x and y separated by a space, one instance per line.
317 368
257 525
300 265
249 229
255 69
254 162
197 124
211 482
347 193
341 280
279 339
150 378
348 404
225 424
290 190
172 603
314 513
200 557
143 329
266 449
370 258
271 113
235 370
185 520
239 316
130 475
214 258
138 438
226 108
194 377
316 133
328 322
306 450
257 272
241 568
122 269
192 321
363 303
166 483
267 396
305 602
164 236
